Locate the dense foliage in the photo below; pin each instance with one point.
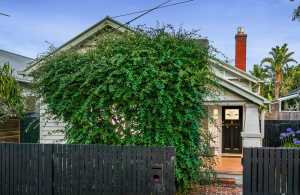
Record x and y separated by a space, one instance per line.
11 104
142 88
278 71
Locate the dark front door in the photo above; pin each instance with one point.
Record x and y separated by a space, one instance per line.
232 119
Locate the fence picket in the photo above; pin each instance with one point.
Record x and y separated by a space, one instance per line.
271 184
290 171
284 171
296 163
254 171
247 158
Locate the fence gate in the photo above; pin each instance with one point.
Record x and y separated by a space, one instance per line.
49 169
273 171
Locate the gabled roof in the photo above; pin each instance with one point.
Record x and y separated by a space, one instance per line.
234 70
83 36
247 94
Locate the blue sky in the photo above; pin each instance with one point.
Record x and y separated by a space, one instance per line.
267 22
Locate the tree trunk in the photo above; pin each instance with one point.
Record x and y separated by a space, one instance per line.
278 81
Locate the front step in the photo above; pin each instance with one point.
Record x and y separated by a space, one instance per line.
230 178
227 181
229 169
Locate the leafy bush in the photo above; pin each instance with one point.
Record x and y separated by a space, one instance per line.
143 88
11 102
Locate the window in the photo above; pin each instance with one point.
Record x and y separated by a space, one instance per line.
232 114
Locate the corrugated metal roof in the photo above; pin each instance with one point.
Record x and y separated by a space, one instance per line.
295 91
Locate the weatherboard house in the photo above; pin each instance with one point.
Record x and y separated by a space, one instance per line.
237 121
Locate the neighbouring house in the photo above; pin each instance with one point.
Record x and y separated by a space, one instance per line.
10 131
236 119
288 103
286 107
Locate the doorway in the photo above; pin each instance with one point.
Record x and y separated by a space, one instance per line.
232 124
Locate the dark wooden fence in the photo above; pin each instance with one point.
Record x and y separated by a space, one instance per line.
10 131
273 128
37 169
271 171
275 115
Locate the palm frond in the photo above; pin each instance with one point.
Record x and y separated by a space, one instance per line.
267 60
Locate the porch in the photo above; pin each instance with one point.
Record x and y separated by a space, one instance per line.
229 168
233 126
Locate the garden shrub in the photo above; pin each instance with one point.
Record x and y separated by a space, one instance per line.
142 88
11 100
290 138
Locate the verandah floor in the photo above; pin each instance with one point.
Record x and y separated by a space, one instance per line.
229 169
229 163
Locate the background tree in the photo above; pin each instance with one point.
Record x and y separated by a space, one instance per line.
266 87
11 104
277 65
291 79
143 88
296 14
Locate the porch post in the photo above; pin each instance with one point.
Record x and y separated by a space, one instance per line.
262 123
251 134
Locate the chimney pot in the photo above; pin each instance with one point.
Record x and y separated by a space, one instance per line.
240 30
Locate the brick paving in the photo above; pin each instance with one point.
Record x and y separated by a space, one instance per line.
217 189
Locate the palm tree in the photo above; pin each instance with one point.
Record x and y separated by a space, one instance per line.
260 72
296 14
277 64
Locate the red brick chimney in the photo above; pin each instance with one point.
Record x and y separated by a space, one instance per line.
240 49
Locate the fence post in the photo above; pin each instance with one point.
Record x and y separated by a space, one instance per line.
247 171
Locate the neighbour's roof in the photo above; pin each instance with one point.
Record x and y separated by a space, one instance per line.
291 95
17 61
295 91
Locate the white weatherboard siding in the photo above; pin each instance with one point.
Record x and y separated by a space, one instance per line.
50 129
215 127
